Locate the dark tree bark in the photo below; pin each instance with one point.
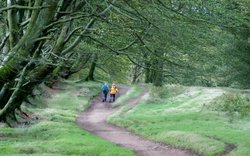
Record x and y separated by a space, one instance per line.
90 76
5 93
147 69
158 76
136 73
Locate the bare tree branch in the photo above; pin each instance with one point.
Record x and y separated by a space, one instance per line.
22 7
71 33
85 30
78 39
145 18
65 20
142 66
106 46
159 56
4 41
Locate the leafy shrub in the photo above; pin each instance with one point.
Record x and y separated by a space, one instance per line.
232 104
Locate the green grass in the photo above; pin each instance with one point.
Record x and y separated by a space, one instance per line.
133 92
167 91
180 120
56 132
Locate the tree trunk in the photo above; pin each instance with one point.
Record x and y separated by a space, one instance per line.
158 76
31 78
90 76
147 73
22 91
136 73
12 24
5 93
53 77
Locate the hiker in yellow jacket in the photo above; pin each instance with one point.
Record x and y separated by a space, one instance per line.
113 90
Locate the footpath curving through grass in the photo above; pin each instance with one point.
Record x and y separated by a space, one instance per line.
179 116
133 92
55 133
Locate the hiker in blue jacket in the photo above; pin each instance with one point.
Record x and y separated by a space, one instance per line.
105 90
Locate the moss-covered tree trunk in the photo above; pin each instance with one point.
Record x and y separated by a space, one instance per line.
28 43
30 78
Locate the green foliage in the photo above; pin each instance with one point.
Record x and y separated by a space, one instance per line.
232 104
203 43
112 68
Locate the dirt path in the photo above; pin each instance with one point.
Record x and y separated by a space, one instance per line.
94 120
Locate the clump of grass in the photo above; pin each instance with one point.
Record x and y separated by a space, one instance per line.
233 104
133 92
199 143
168 91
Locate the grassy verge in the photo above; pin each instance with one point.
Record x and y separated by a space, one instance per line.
181 120
133 92
55 133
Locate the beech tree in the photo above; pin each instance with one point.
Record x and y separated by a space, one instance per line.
176 41
39 40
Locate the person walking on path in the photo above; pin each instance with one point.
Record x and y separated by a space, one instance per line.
105 90
113 91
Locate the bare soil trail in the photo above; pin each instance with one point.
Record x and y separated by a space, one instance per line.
94 120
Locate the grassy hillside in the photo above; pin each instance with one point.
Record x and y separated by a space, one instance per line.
193 118
55 132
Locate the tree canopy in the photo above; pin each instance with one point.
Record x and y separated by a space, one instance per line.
177 41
